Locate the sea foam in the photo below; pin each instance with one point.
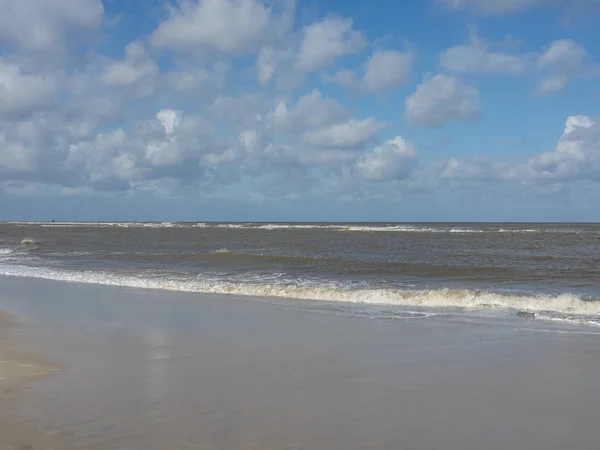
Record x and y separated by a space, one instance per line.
366 228
544 305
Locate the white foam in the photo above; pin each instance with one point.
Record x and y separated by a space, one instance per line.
566 304
398 228
70 254
462 230
105 224
6 251
572 320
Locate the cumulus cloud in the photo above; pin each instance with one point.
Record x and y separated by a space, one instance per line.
558 62
165 147
576 158
247 113
169 119
473 169
394 160
384 70
32 149
476 57
561 60
23 93
310 111
315 48
136 70
221 26
325 41
46 25
441 99
349 134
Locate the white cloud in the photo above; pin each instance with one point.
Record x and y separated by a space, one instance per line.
475 57
350 134
442 99
222 26
384 70
136 70
565 55
45 25
170 120
99 123
16 155
169 146
310 111
491 7
562 60
185 81
198 80
505 7
266 64
559 62
106 163
577 156
32 148
317 46
325 41
476 168
552 84
22 93
394 160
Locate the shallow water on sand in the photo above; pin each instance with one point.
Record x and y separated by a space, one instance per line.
159 370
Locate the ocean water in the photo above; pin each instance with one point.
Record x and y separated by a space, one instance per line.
536 271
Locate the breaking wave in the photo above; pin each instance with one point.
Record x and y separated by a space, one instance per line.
369 228
545 307
568 319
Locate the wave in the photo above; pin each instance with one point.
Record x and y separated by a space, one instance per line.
572 306
370 228
570 320
365 228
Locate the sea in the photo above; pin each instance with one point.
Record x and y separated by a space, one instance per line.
532 271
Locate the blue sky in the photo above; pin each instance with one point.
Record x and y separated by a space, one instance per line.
433 110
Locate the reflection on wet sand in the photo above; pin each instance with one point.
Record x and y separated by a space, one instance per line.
187 371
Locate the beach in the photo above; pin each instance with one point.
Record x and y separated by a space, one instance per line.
18 368
154 369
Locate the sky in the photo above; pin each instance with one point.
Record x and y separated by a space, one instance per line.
306 110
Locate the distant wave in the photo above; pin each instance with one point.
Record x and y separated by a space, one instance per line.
104 224
397 228
565 307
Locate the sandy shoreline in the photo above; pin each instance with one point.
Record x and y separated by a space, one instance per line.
18 368
16 365
160 370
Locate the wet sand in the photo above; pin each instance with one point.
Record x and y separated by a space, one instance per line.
18 368
162 370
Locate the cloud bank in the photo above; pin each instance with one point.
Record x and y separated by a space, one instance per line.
241 96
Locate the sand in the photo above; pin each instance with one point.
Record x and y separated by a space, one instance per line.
158 370
18 368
